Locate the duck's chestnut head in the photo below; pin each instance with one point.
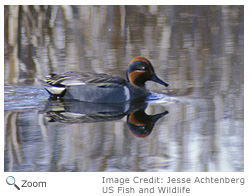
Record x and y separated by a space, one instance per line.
141 70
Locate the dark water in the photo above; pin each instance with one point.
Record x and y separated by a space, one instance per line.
196 124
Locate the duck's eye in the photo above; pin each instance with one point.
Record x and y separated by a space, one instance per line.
143 68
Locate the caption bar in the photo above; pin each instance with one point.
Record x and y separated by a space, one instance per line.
153 184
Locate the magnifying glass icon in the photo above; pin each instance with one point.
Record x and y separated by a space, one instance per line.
10 180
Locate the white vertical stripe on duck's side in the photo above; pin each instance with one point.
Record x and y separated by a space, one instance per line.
127 93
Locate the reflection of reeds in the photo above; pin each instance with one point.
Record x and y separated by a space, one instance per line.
192 138
11 31
12 147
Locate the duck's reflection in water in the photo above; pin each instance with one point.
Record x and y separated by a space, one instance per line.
140 124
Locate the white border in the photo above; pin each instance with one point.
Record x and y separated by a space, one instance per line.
88 183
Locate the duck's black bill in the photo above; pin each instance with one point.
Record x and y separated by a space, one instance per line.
156 79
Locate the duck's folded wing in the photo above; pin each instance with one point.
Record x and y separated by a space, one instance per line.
86 78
